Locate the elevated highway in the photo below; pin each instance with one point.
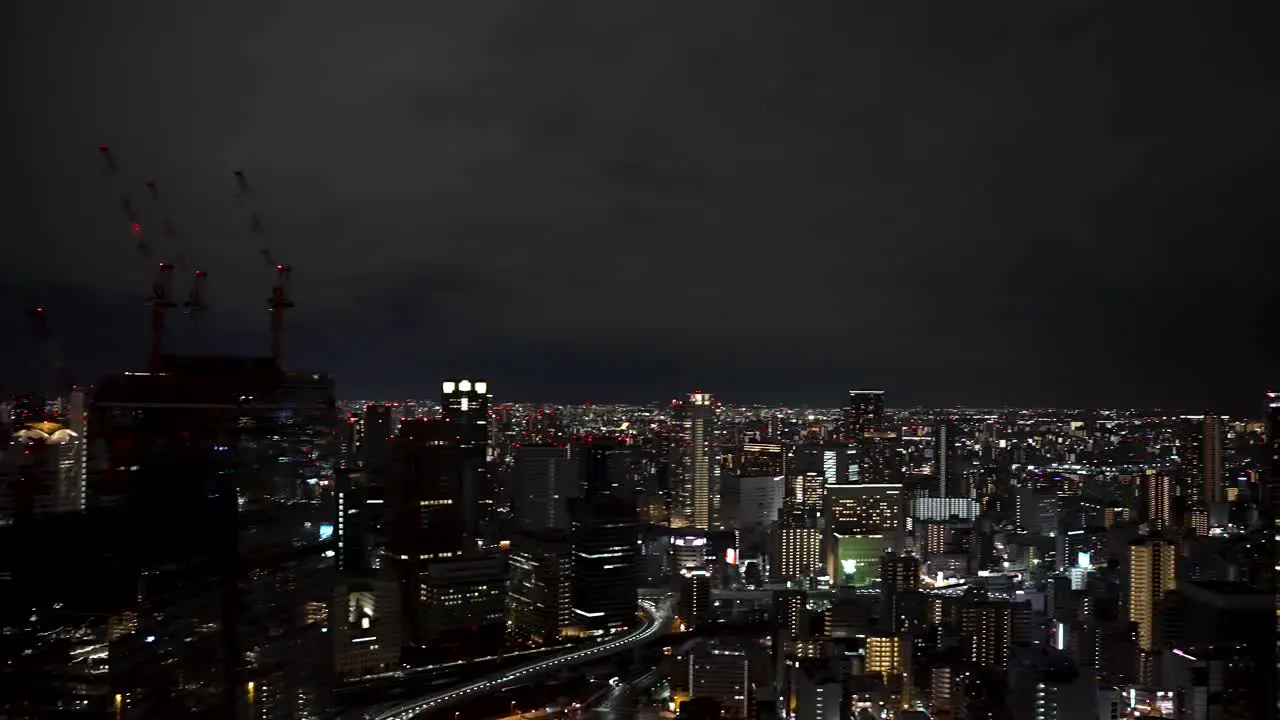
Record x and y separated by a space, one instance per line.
657 616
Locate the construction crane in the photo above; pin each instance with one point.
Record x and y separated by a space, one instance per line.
57 361
244 193
161 299
112 171
195 304
278 303
280 300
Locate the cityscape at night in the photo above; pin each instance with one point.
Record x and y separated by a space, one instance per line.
610 362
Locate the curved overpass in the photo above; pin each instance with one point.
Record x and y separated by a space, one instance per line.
657 618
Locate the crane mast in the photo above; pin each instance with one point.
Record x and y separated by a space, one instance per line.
280 300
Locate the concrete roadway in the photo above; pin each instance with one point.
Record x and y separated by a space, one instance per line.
657 618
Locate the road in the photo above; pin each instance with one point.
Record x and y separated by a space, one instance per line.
657 618
619 702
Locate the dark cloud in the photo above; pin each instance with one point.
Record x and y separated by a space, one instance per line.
1008 202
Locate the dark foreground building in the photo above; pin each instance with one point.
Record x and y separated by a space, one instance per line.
197 581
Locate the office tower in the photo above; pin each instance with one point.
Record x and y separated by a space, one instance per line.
988 627
42 472
864 414
819 690
699 464
26 408
1159 500
862 522
1046 686
216 473
351 528
544 480
605 536
461 607
944 461
835 463
899 588
889 656
722 672
694 585
374 449
867 430
944 508
1152 576
1212 464
1225 650
762 459
604 467
750 505
466 404
366 624
430 508
540 594
798 543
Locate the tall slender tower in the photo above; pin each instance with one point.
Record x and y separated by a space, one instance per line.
1213 488
701 467
1152 575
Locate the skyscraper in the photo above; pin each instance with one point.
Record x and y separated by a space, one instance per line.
865 428
700 488
864 414
605 537
944 460
219 473
544 481
1152 576
1159 490
1213 487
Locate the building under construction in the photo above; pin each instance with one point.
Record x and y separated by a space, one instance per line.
204 569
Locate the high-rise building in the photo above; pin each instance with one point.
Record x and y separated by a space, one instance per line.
218 473
988 626
889 655
819 690
695 596
1212 464
366 622
604 468
42 471
605 536
700 467
760 459
867 430
540 595
466 403
864 414
862 522
751 504
545 479
1152 576
722 672
944 461
351 526
1159 499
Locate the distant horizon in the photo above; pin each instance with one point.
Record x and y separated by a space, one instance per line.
1168 410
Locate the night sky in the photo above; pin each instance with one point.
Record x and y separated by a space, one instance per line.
1069 203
